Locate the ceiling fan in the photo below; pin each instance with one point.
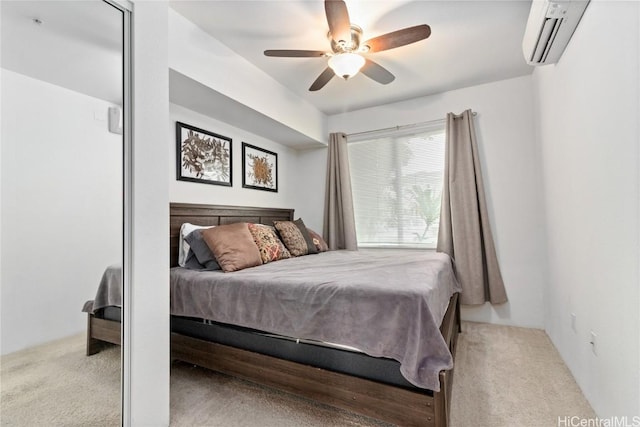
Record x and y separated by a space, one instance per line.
345 58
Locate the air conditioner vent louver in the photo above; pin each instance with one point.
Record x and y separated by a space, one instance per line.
549 29
545 41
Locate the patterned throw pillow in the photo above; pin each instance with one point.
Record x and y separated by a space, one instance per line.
318 241
296 238
271 248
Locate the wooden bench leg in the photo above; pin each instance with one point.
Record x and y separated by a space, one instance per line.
101 333
93 345
458 317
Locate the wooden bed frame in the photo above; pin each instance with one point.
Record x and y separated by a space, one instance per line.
389 403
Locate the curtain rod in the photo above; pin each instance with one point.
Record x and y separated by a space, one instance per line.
399 127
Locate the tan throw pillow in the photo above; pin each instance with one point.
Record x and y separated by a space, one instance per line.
233 246
269 245
296 238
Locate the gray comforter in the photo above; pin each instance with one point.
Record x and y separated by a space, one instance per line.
109 292
385 303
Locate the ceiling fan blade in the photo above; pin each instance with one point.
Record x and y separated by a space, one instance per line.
377 72
322 79
398 38
338 20
295 53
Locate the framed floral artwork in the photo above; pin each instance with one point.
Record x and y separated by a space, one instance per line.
259 168
203 156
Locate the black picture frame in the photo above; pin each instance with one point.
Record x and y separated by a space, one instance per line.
202 156
259 168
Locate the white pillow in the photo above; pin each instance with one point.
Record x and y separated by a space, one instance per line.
183 246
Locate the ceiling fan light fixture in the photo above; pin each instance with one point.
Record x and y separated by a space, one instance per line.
346 65
345 57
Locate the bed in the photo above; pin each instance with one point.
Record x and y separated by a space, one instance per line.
304 362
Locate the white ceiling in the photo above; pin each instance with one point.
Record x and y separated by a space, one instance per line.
78 45
472 42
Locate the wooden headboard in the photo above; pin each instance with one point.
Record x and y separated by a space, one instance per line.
179 213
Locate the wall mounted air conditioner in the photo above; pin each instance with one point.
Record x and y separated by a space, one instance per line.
550 26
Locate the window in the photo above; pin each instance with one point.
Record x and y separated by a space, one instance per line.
397 186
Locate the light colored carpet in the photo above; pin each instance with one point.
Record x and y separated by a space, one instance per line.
508 376
505 376
57 385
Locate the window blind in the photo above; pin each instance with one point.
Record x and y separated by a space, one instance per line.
397 186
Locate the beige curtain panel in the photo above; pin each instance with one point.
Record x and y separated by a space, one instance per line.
465 233
339 219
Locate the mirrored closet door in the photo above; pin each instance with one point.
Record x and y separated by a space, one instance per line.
62 209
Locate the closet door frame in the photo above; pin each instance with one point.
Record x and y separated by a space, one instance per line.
126 7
